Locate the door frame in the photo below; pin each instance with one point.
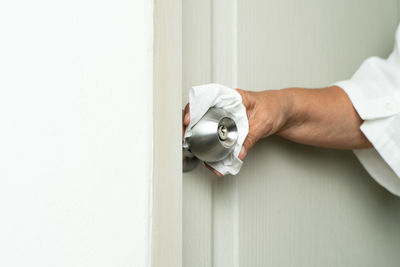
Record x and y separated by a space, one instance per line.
166 228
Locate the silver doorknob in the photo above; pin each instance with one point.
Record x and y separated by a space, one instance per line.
213 137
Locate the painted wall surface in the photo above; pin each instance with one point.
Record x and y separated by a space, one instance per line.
75 132
291 205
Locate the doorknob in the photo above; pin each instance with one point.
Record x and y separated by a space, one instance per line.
212 139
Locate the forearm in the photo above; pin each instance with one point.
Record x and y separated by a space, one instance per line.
321 117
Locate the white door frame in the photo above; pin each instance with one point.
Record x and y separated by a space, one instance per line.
167 169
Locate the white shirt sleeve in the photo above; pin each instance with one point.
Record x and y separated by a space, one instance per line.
375 93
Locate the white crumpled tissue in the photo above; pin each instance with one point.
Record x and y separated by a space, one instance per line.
203 97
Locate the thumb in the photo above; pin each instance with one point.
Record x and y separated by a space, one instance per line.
250 141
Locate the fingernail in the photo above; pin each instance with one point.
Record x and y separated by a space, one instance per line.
186 118
242 153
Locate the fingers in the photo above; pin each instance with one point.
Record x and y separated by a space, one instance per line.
243 153
213 170
185 118
183 125
247 145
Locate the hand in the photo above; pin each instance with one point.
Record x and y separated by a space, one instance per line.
323 117
265 112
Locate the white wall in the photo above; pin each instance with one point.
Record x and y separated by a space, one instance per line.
75 132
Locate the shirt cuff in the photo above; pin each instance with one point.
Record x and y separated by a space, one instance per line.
370 99
382 162
379 170
379 109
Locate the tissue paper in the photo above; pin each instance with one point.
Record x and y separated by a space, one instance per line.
203 97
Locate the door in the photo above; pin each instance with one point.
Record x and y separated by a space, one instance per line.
291 204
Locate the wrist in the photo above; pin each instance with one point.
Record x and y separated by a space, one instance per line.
278 104
291 109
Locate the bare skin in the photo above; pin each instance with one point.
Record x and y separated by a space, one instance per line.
322 117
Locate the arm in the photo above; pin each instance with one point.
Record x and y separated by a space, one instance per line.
321 117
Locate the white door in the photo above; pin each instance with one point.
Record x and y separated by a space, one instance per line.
291 204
